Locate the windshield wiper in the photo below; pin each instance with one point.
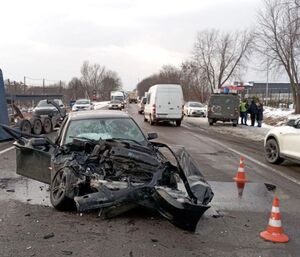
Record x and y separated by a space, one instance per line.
125 139
88 139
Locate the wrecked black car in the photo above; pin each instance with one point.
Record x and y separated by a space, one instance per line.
102 160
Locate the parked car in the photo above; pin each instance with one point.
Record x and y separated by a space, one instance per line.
102 160
82 105
141 105
195 109
223 107
283 143
164 103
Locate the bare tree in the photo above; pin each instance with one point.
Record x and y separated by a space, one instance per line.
278 39
76 89
220 55
194 82
97 78
92 76
110 82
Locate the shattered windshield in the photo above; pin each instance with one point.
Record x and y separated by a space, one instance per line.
105 128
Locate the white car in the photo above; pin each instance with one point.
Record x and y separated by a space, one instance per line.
283 143
195 109
82 105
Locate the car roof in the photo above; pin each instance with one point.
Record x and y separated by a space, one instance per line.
97 114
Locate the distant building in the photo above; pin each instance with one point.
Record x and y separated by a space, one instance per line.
272 91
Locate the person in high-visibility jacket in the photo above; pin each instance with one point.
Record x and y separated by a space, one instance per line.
244 111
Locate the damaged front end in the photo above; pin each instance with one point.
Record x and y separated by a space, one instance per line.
115 176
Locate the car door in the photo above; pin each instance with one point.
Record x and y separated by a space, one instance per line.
33 158
291 141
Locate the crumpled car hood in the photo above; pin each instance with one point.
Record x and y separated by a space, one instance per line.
121 176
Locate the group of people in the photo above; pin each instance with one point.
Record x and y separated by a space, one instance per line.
255 109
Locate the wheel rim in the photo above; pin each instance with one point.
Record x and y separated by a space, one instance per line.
271 151
58 187
47 125
26 127
37 127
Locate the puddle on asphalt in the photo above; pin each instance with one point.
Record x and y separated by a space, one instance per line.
238 197
24 190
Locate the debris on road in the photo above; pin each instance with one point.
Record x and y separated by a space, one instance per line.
48 236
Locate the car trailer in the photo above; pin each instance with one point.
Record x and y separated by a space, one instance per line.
31 125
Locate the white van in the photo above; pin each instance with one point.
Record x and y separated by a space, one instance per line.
164 103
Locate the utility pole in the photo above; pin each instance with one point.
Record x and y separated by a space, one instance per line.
43 86
24 84
267 84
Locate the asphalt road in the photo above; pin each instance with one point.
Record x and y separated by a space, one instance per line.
29 226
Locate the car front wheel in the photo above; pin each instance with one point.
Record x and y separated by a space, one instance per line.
59 189
272 152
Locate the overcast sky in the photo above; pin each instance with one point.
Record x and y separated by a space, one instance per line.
51 39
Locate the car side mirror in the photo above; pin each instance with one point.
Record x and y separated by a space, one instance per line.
152 136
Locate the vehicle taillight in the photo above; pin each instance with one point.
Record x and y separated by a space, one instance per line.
153 109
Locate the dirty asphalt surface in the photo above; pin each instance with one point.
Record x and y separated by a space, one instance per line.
29 226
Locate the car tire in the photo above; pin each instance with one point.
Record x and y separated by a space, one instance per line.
58 191
210 122
37 127
272 152
234 123
47 125
25 126
145 119
178 123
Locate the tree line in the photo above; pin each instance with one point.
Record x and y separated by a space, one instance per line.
95 82
219 57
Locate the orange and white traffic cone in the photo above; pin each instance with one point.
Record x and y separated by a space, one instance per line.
240 175
274 232
240 187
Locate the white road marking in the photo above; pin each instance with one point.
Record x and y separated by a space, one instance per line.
296 181
6 150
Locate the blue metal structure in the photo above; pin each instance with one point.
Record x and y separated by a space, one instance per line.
32 97
3 109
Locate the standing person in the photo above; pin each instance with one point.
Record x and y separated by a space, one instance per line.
259 114
243 111
252 110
